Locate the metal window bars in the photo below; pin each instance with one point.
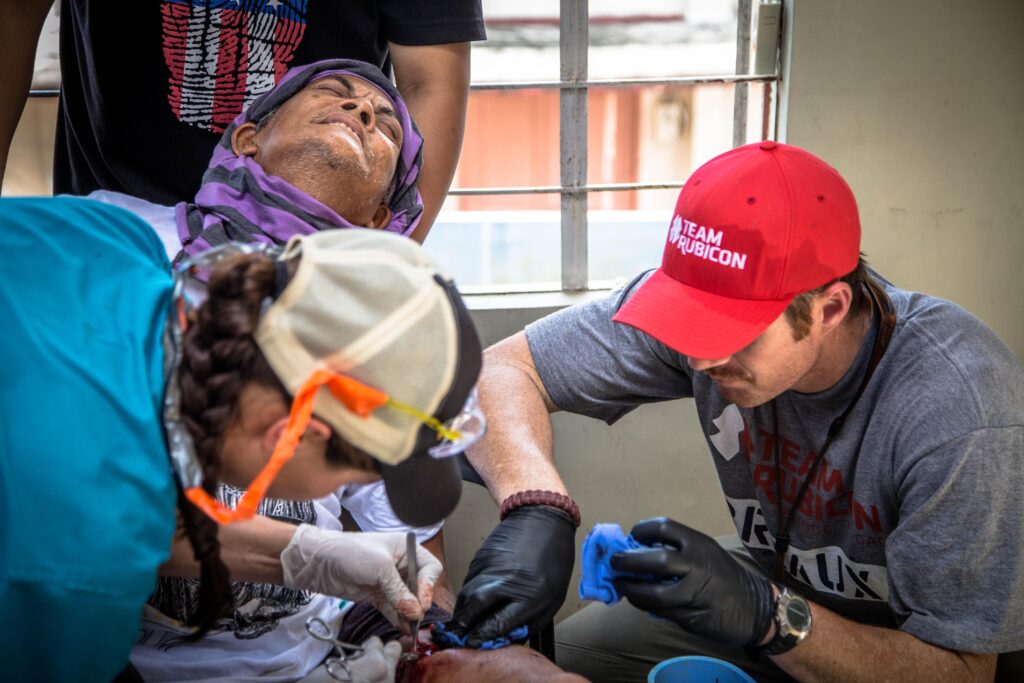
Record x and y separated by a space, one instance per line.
573 86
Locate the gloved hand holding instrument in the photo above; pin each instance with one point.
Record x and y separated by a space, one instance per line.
519 576
696 584
361 566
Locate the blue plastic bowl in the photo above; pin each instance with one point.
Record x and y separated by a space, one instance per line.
697 670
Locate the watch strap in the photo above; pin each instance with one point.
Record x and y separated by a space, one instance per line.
781 643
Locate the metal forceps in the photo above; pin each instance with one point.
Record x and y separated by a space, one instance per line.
337 666
412 580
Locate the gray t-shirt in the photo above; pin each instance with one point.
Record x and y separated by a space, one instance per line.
915 518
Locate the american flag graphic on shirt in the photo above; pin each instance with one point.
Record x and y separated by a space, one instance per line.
223 54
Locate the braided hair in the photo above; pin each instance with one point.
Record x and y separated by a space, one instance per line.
219 357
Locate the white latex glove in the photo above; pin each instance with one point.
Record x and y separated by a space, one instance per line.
360 566
378 663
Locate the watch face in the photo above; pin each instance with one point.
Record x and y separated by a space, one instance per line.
798 614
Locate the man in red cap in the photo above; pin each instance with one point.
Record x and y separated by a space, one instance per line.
868 441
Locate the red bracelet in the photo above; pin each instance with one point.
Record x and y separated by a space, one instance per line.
548 498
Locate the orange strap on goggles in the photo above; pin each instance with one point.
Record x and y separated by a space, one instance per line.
356 396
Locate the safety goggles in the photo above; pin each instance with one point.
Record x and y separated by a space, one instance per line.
453 435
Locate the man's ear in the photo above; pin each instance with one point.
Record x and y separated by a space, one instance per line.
243 140
381 218
835 304
316 429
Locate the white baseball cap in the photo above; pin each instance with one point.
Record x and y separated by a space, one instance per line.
370 325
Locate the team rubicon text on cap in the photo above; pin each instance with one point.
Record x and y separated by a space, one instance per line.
752 229
703 242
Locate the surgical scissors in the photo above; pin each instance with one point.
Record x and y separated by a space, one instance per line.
319 629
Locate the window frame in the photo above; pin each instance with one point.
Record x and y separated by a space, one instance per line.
573 86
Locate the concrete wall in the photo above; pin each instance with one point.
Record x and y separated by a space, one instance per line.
918 104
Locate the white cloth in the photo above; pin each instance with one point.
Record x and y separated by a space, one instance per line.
282 652
378 663
159 217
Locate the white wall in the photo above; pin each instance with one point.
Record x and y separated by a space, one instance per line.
919 105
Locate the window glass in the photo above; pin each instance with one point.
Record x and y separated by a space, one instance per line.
636 133
505 249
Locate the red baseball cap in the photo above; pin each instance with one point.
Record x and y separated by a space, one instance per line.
753 228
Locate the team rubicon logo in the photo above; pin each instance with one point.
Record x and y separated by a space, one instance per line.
706 243
223 54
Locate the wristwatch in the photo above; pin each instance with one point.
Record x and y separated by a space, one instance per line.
792 623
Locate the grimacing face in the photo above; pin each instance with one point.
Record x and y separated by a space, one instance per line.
337 131
768 366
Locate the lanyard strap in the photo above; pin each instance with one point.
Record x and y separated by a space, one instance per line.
887 323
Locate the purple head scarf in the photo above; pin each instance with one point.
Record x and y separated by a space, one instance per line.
239 202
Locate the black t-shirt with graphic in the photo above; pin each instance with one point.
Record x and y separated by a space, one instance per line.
148 87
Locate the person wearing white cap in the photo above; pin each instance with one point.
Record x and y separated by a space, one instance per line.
298 373
867 439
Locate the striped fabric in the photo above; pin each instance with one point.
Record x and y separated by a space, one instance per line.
239 202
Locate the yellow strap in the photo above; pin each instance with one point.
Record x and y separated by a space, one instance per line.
428 420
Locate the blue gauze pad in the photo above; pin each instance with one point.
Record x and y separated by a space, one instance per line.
445 638
596 573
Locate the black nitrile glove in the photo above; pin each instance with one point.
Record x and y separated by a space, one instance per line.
518 576
696 584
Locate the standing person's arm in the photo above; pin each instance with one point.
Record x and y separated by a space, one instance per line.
434 82
20 26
